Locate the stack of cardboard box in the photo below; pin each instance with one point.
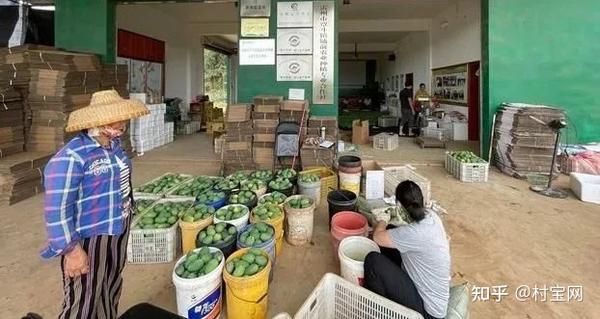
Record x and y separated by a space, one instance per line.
237 147
12 137
21 176
115 77
265 117
312 154
47 126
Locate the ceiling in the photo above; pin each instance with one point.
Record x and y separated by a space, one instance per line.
392 9
201 12
371 37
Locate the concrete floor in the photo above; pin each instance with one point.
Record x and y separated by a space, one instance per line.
501 234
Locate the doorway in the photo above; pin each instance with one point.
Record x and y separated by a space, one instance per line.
216 77
473 100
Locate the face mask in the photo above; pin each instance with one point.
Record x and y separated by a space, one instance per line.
111 133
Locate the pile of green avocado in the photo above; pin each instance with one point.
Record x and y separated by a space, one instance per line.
275 198
300 202
162 185
162 215
198 213
309 178
198 263
280 183
210 197
267 212
264 175
242 197
196 187
248 264
216 234
256 234
253 184
231 212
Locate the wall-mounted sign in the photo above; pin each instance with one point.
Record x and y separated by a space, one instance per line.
450 84
294 41
296 94
255 8
294 68
323 47
255 27
295 14
257 52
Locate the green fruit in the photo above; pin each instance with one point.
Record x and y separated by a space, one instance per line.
195 265
261 260
147 221
179 270
204 251
256 251
249 258
251 270
230 267
232 230
191 256
239 271
210 266
265 236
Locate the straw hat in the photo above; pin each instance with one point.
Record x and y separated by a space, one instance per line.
105 108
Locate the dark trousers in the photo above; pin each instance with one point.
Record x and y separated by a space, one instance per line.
148 311
96 294
407 119
385 276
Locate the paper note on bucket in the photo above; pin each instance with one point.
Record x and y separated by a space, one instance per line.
373 178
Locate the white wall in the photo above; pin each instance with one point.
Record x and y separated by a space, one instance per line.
456 34
183 52
412 56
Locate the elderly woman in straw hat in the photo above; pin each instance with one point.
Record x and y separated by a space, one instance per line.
88 206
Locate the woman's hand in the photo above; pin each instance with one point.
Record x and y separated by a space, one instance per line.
76 262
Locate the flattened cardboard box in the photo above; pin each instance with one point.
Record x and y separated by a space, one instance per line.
245 125
292 105
265 116
263 144
318 121
237 146
238 113
294 116
265 130
238 138
266 108
267 100
269 138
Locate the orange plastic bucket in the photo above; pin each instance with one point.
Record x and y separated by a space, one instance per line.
345 224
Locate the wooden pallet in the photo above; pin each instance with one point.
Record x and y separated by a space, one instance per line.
428 142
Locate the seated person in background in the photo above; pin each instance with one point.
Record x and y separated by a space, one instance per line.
413 268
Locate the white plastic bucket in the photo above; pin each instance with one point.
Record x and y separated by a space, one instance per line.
199 298
350 182
239 223
352 253
312 190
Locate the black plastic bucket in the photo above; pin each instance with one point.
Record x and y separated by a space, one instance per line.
227 248
340 200
349 161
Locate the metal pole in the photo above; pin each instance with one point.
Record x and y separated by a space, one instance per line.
554 158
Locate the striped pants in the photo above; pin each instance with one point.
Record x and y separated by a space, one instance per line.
96 294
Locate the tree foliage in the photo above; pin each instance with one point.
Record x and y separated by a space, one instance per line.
215 77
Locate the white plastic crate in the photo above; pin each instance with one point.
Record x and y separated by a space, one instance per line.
467 172
437 133
385 141
336 298
387 121
395 175
586 187
151 246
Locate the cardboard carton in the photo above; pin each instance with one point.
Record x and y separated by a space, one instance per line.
360 132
